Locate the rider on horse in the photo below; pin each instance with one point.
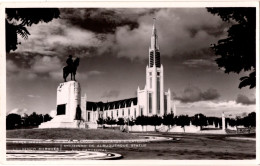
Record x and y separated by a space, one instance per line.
71 68
70 62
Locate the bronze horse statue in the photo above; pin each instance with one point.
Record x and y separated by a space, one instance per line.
71 70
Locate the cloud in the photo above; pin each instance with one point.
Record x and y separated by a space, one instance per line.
19 111
242 99
194 94
180 31
101 20
11 66
38 66
46 64
94 72
121 32
110 94
203 63
33 96
57 38
124 33
213 108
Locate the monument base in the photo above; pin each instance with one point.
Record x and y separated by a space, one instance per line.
68 101
58 122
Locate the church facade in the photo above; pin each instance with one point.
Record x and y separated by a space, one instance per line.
152 100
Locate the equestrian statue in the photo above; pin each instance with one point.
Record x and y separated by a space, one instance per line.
71 68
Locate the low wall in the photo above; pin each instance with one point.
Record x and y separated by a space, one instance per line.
178 129
142 128
232 127
245 130
191 129
163 128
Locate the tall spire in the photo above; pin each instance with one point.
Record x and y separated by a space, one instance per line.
154 27
154 37
154 53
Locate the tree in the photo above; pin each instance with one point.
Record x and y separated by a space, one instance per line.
168 119
239 121
238 51
13 121
141 120
120 121
129 122
100 121
47 117
18 18
155 120
231 122
110 121
35 119
250 120
199 120
182 120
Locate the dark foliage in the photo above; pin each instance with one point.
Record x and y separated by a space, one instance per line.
130 121
238 51
120 121
168 120
250 120
231 122
15 121
214 120
141 120
155 120
17 19
199 120
110 121
100 121
183 120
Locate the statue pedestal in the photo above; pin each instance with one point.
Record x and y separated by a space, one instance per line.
68 98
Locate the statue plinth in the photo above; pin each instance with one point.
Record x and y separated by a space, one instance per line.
68 98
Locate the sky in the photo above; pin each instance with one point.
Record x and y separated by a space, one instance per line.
113 45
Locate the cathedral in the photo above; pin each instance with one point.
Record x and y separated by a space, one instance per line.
152 100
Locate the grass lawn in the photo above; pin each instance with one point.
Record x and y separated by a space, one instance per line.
189 147
65 133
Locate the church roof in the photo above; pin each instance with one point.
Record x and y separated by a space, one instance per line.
91 105
111 105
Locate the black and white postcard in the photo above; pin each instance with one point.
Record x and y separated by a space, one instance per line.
164 83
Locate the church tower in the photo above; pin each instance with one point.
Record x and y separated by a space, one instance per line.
154 77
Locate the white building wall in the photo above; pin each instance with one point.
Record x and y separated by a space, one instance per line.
83 107
142 101
132 109
161 91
